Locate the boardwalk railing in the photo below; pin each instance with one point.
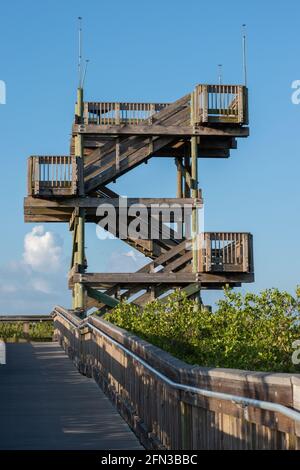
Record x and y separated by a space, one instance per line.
52 175
171 405
226 252
110 113
220 104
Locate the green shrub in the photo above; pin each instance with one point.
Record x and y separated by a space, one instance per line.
255 331
38 331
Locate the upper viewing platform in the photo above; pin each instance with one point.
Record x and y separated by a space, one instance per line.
207 104
117 136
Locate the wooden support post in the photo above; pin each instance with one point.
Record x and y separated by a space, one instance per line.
194 195
79 106
187 192
78 240
207 244
117 114
36 172
245 252
30 174
178 162
117 155
194 187
26 329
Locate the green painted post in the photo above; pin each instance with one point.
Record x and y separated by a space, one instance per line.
79 291
194 186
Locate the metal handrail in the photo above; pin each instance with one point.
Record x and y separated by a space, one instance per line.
243 401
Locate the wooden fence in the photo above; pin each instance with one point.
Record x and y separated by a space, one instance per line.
164 417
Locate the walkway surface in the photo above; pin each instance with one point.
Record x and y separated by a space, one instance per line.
46 404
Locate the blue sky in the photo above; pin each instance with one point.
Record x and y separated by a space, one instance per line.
148 51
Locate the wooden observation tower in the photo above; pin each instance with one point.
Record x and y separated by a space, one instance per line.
108 140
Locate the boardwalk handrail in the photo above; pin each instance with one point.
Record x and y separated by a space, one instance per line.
112 113
95 325
264 405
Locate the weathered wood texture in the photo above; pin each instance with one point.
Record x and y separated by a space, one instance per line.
225 252
166 418
110 139
220 104
52 175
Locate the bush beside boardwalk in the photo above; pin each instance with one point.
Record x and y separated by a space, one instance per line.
254 331
38 331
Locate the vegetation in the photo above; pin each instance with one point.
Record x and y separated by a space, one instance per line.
38 331
253 332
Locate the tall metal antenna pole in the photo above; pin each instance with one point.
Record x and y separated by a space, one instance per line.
79 50
244 54
78 293
220 74
84 73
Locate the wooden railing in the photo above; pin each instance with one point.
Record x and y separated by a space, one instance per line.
52 176
225 252
167 417
109 113
220 104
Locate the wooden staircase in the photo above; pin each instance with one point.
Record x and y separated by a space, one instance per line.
110 139
112 159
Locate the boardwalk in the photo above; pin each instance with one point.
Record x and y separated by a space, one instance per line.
46 404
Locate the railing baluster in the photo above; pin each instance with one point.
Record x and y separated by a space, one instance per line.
109 113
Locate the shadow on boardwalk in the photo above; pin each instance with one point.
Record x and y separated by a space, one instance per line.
46 404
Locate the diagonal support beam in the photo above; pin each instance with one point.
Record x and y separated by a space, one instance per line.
101 297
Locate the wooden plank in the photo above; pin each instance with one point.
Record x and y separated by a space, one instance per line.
94 202
30 191
127 279
203 153
172 279
159 130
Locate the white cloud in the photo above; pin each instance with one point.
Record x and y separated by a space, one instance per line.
37 281
41 285
42 250
135 255
129 261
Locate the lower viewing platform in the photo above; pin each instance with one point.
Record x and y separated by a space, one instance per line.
224 258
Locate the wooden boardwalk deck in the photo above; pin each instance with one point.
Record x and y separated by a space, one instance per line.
46 404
